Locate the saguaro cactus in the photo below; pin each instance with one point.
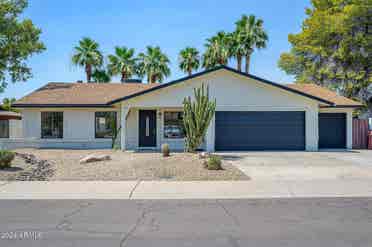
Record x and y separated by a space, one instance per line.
197 115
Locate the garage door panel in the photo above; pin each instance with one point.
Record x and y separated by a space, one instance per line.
332 130
269 130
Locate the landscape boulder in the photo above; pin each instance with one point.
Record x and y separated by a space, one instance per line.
95 158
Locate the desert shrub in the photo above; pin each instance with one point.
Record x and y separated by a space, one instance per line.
165 150
6 158
213 163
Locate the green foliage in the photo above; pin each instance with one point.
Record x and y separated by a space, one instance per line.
19 40
7 104
154 63
115 134
165 150
88 56
334 47
101 76
213 163
196 117
249 34
6 158
217 50
123 63
189 59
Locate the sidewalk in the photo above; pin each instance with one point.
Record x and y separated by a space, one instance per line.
184 190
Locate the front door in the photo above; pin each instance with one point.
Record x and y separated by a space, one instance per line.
147 128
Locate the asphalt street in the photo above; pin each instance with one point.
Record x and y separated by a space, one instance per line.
244 222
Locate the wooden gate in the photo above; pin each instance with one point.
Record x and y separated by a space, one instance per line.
360 133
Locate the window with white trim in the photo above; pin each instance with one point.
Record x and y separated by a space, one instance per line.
173 125
51 125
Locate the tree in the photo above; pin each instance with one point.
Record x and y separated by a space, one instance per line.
88 56
189 59
197 116
123 63
251 34
19 40
217 50
237 48
154 63
101 76
334 47
7 104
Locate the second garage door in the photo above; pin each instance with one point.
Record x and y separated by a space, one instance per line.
254 130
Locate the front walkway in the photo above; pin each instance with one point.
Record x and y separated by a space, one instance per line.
185 190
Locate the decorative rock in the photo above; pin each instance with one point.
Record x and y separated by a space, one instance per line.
41 170
203 155
94 158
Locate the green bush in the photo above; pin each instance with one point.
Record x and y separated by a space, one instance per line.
6 158
165 150
213 163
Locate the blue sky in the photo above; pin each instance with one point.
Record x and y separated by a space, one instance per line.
172 25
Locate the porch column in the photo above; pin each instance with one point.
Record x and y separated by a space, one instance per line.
210 136
123 123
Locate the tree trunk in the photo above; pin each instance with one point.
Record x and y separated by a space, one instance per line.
189 71
153 79
239 62
88 71
123 77
247 62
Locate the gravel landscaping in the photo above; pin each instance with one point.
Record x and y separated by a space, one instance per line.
26 167
126 166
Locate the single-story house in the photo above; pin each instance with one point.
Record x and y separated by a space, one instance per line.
10 124
252 114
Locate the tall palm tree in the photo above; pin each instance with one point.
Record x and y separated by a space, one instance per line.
237 48
189 59
101 76
217 50
252 35
122 63
87 55
154 63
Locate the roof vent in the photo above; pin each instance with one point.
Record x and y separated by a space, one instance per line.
79 81
133 81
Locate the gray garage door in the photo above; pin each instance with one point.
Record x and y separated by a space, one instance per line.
253 130
332 130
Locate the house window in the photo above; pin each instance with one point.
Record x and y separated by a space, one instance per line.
4 128
105 124
51 125
173 125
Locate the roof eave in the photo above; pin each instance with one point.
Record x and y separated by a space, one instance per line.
215 69
61 105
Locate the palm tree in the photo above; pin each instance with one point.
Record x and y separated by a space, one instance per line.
101 76
189 59
88 56
252 35
122 63
217 50
237 48
154 63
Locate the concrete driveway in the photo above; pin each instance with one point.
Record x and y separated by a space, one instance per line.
356 164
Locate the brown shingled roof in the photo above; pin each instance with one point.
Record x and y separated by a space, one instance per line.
57 93
324 93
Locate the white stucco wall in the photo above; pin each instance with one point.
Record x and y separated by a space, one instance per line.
233 93
78 128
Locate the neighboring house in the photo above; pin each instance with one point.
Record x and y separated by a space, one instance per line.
252 114
10 125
